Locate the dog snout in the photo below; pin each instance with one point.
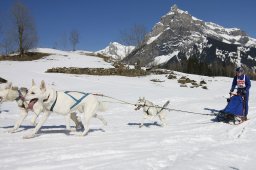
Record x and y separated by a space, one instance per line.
137 107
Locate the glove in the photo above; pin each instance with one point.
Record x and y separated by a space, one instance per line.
244 92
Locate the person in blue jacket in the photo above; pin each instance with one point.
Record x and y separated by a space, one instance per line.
243 84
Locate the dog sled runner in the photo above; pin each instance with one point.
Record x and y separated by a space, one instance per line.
233 113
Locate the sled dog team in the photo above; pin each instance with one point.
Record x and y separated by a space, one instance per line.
45 100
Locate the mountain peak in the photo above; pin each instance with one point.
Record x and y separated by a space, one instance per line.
174 8
116 50
179 35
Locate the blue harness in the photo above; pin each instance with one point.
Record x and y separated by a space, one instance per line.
77 101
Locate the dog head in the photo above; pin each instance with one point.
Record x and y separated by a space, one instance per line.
4 91
36 94
140 103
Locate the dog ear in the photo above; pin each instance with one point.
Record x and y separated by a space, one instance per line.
33 82
42 86
8 85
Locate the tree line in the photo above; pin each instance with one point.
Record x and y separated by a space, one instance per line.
194 66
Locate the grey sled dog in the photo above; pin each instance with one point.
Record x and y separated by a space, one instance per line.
150 111
64 103
11 94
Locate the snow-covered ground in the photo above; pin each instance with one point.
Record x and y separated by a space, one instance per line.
190 141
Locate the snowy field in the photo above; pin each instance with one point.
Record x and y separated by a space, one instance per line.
190 141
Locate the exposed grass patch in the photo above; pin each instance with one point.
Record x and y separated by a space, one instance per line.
99 71
202 82
157 80
172 76
184 81
30 56
104 57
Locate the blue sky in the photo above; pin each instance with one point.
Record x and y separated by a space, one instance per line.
100 21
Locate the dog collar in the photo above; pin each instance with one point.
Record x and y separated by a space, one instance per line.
147 111
54 102
20 97
45 100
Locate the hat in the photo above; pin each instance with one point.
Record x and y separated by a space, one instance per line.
239 69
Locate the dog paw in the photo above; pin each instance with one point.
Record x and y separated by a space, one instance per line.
75 133
12 130
79 126
34 123
28 136
163 125
72 129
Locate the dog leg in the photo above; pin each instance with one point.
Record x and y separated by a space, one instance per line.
38 126
24 114
78 123
33 119
101 119
88 113
143 120
162 119
67 118
85 120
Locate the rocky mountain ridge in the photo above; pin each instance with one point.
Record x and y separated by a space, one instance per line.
178 37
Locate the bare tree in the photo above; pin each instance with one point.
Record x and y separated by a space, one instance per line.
24 27
74 39
134 36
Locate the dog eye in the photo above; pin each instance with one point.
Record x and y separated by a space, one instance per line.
32 93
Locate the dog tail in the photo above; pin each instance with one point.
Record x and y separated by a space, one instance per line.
102 106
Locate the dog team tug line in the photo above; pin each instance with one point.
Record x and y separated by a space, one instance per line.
46 100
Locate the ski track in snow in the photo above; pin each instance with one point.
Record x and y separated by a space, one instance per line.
190 141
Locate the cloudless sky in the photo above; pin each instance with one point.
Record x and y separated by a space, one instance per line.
99 22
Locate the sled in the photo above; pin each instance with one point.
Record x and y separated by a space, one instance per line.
233 113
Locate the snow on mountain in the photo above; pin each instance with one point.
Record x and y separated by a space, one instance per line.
190 140
164 58
180 31
116 50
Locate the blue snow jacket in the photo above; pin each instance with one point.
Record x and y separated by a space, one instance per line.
244 91
247 82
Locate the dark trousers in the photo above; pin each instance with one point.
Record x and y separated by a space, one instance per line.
246 100
246 106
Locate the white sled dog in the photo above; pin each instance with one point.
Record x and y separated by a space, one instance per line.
11 94
64 103
150 111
